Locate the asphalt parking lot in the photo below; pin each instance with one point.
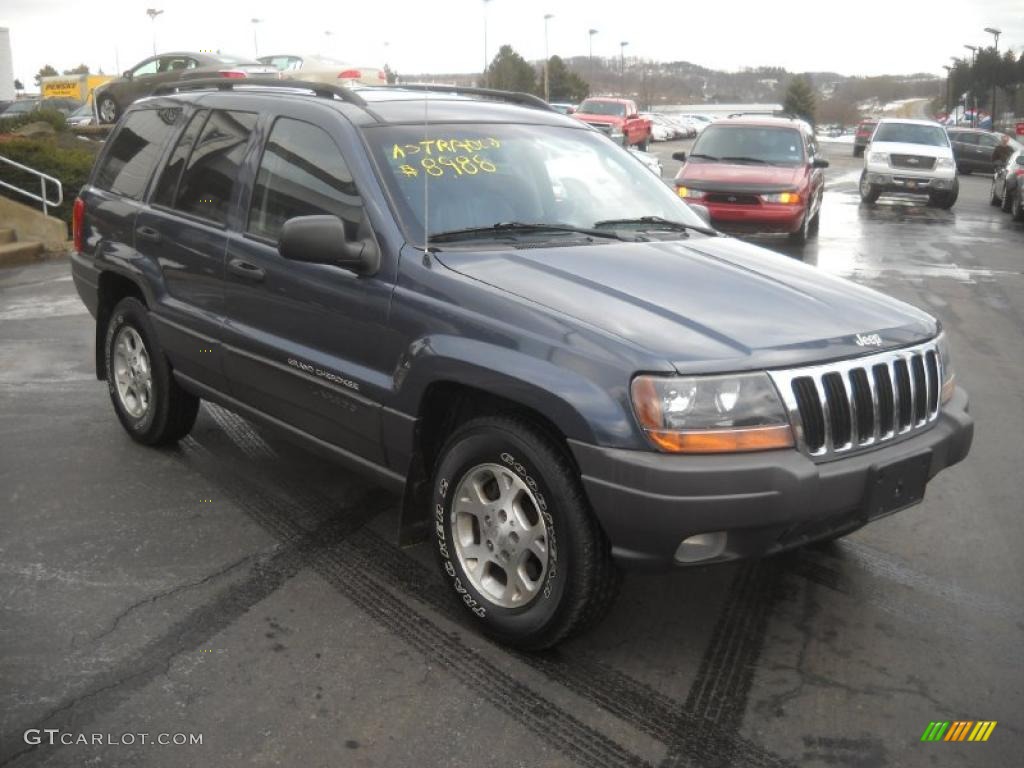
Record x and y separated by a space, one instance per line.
240 588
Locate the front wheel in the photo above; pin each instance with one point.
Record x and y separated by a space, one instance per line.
858 151
149 403
945 200
1017 208
1007 201
994 199
869 192
515 536
107 109
643 145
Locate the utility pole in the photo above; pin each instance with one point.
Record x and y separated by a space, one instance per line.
547 59
153 13
995 32
974 98
487 75
622 62
945 95
255 42
590 61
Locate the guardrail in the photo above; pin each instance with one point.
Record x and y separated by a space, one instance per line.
43 178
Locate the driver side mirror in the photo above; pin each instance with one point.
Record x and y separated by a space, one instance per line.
322 240
127 74
633 116
819 163
680 156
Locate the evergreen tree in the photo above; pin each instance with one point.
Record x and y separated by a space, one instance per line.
565 85
510 72
46 71
799 99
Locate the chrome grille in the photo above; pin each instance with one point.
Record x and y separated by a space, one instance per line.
853 405
603 127
919 162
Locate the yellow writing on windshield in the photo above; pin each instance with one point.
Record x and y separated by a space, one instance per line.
439 165
430 147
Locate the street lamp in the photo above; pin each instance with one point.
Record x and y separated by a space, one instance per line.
590 61
995 32
153 13
547 59
974 111
487 75
946 97
622 59
255 42
327 39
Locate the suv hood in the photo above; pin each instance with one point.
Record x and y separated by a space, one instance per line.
729 176
902 148
705 305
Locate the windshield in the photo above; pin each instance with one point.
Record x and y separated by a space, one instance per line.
20 107
603 108
750 143
912 133
482 175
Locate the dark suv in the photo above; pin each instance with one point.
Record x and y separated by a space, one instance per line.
497 312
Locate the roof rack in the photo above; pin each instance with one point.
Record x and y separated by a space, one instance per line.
513 97
323 90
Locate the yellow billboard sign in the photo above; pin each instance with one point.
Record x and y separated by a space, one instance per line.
72 86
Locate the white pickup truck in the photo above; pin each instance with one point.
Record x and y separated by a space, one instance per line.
910 156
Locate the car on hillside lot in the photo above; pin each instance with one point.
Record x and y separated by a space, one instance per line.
83 116
150 74
756 175
1008 186
973 149
28 106
911 157
618 119
662 129
686 127
321 69
862 136
549 358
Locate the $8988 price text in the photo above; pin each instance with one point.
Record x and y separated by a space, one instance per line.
439 165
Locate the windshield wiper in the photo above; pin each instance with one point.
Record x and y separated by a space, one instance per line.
517 227
653 223
701 154
757 160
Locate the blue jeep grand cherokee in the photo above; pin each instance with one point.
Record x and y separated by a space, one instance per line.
497 312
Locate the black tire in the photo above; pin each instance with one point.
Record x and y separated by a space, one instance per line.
1007 201
643 145
171 411
815 225
869 193
1017 207
858 151
105 107
964 171
801 236
945 200
578 584
994 199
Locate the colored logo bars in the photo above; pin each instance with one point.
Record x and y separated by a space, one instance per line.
959 730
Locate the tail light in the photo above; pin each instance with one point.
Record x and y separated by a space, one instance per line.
349 74
233 74
382 75
1018 172
78 223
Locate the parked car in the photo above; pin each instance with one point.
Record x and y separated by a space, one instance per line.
605 382
756 175
617 118
150 74
84 115
1008 186
564 107
28 106
662 129
862 137
685 127
973 148
910 156
699 122
320 69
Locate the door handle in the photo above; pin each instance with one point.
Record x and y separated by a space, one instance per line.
148 233
246 270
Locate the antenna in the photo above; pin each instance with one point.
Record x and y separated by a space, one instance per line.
426 181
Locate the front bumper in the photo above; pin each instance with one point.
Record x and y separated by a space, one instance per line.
909 181
649 502
766 217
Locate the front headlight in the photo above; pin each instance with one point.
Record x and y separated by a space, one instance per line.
944 162
787 198
948 374
878 157
711 414
689 194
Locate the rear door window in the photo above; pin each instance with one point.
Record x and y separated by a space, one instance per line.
208 180
302 173
135 150
167 186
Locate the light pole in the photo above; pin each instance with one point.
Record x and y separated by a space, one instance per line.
945 95
995 32
974 111
590 61
255 42
327 39
547 59
487 75
622 60
153 13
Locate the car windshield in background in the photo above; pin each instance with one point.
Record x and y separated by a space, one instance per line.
20 107
603 108
912 133
477 176
750 144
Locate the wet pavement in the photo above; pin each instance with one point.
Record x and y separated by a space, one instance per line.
240 588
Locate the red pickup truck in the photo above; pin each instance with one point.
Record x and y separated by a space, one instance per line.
619 119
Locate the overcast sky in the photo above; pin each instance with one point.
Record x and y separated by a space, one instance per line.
854 37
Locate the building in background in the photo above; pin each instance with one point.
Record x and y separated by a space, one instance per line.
6 66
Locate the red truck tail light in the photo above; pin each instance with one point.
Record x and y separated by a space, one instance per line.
78 223
233 74
349 74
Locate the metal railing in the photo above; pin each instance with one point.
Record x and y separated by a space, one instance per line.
43 178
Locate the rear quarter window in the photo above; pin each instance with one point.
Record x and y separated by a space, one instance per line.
135 150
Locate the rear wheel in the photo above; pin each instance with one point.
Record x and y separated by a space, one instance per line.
869 192
515 536
107 109
858 151
643 145
1017 207
994 199
1007 201
150 405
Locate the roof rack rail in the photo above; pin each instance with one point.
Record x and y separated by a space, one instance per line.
323 90
513 97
